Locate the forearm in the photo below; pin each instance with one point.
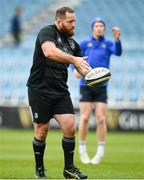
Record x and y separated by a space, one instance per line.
53 53
118 48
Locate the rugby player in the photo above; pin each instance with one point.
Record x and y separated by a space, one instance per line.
48 92
98 49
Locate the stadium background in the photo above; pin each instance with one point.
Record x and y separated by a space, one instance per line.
126 97
126 87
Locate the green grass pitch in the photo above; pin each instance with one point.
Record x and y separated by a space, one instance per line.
124 155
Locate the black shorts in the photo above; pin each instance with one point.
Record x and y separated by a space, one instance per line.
93 94
43 109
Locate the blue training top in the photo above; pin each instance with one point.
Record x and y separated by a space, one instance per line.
99 52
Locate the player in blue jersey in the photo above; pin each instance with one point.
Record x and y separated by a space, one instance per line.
99 50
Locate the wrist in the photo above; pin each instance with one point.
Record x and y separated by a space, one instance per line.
72 59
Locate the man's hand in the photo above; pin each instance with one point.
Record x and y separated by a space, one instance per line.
82 66
116 33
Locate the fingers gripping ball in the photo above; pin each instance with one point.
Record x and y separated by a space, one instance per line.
97 76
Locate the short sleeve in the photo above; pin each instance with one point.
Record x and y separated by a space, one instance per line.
47 34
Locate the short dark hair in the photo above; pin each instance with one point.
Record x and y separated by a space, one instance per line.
61 12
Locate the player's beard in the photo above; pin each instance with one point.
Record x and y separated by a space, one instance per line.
69 32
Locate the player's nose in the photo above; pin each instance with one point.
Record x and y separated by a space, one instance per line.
73 24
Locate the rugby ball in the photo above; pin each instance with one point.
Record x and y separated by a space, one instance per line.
97 76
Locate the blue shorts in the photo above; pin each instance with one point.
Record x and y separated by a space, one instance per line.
93 94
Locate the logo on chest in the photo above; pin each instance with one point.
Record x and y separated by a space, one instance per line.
103 46
71 43
90 45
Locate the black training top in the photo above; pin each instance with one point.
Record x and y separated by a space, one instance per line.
47 76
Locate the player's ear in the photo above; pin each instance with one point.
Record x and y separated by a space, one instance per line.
59 21
104 28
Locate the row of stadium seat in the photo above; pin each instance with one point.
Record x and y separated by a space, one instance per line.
126 84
